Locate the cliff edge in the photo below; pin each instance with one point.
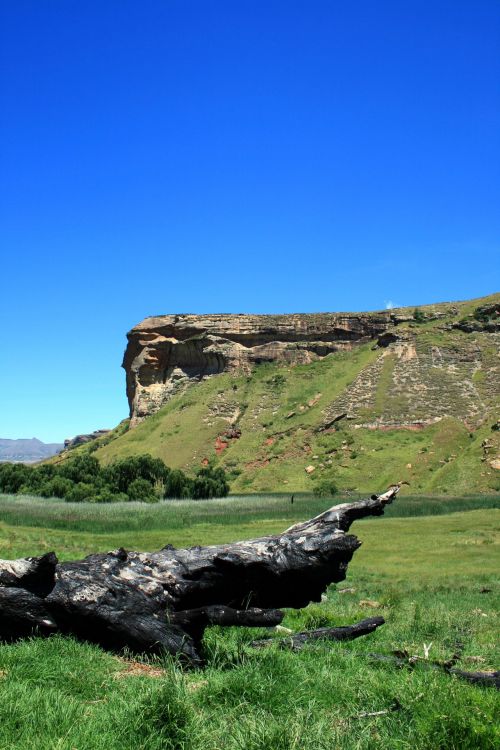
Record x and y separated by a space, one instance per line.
165 353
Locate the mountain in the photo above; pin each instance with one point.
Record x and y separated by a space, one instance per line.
286 401
27 451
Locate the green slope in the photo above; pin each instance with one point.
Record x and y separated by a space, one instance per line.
391 395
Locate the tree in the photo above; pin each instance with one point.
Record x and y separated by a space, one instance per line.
142 490
37 477
81 468
13 477
120 474
210 482
177 485
325 488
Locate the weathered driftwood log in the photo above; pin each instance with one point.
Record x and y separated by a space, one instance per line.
344 633
150 601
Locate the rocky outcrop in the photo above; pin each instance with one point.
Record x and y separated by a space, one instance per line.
416 382
84 438
166 353
485 318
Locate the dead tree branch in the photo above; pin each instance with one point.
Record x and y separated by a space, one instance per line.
344 633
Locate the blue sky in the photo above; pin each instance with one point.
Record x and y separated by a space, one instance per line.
210 156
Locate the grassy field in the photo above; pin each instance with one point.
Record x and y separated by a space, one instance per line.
30 525
424 570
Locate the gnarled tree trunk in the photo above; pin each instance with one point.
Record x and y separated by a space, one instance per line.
149 601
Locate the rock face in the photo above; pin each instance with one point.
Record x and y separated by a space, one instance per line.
84 438
166 353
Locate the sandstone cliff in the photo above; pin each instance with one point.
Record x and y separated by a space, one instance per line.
165 353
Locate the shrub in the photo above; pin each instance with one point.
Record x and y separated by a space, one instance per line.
325 488
120 474
56 487
276 383
80 492
177 484
210 482
142 490
418 316
485 313
106 495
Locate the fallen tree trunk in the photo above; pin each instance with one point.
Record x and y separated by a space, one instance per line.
150 601
344 633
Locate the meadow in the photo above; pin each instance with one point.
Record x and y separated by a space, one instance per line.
429 567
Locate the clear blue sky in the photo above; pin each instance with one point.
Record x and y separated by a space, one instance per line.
208 156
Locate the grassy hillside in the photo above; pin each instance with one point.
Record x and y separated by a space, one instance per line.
418 411
433 579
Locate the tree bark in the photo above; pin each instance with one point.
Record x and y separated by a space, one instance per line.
150 601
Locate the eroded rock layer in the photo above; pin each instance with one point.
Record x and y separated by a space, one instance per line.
165 353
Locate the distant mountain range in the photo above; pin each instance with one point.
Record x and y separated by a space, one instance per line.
27 451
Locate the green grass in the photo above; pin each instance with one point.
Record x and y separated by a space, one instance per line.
170 515
426 573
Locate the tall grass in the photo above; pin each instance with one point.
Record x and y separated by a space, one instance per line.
22 510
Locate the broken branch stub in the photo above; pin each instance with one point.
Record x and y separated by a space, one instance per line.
343 633
150 601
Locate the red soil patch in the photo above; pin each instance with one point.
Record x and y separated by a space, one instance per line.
220 445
